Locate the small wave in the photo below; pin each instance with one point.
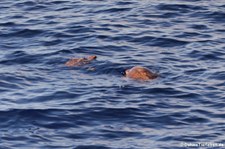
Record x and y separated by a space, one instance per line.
113 10
7 24
17 60
25 33
179 7
195 119
30 5
25 3
92 147
199 26
215 16
162 42
124 3
7 86
52 43
58 2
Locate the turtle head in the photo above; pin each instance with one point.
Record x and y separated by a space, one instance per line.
92 57
127 71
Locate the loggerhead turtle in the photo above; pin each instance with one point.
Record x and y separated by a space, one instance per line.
140 73
136 72
80 61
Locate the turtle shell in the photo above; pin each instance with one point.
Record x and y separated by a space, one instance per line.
140 73
80 61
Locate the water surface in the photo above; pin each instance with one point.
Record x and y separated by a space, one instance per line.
44 104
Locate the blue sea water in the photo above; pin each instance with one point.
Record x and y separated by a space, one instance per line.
44 104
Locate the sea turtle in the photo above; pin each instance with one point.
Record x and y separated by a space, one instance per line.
136 72
140 73
80 61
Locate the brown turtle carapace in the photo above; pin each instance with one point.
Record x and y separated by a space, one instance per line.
80 61
140 73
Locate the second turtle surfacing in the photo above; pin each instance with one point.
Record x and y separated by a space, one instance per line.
140 73
80 61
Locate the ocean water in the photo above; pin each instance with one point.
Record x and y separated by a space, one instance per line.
44 104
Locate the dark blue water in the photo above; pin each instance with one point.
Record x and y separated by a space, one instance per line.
44 104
